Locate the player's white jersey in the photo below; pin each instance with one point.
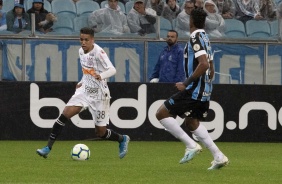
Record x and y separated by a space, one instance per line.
95 62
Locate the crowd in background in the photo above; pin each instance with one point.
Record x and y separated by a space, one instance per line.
141 19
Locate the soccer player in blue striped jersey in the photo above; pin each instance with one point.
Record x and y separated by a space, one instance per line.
193 99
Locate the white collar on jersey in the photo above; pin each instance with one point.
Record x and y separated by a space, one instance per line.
197 30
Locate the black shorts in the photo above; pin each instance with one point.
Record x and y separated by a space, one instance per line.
182 105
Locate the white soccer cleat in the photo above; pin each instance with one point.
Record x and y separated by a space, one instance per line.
190 154
218 164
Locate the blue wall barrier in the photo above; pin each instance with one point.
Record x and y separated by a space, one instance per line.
58 60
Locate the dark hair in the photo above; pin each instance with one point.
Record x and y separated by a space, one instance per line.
174 32
19 7
167 1
198 15
87 30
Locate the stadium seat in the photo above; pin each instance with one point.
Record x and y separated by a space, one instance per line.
66 7
121 5
278 1
180 3
64 25
165 26
273 28
78 23
86 7
25 32
128 6
258 29
234 28
173 23
6 32
8 5
47 5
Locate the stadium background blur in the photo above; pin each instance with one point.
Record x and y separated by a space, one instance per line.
246 55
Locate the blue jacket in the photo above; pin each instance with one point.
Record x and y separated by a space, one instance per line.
169 67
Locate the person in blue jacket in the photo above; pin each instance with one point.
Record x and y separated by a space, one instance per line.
169 67
3 24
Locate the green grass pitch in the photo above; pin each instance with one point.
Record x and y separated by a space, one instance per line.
146 163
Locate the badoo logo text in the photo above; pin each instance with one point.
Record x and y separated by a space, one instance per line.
215 127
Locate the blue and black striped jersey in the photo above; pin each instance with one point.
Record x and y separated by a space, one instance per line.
198 45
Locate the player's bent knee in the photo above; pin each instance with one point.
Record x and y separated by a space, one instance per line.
159 116
162 113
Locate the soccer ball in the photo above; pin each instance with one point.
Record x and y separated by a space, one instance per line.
80 152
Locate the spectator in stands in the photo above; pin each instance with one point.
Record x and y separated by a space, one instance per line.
199 3
267 9
169 67
141 20
279 15
246 10
226 8
215 24
171 10
3 24
183 19
42 24
279 10
17 19
109 19
73 1
157 5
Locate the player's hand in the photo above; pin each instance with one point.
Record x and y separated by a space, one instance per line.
98 77
258 17
180 86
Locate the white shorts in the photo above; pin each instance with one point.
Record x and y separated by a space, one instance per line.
100 109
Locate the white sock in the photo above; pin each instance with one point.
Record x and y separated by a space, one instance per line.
173 127
203 136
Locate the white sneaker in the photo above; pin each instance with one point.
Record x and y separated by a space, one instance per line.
190 154
219 164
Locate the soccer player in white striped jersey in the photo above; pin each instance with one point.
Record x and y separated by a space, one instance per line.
91 93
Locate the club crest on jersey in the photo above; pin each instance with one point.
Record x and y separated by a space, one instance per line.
196 47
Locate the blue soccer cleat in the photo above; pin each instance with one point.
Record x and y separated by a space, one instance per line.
190 154
43 152
123 146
